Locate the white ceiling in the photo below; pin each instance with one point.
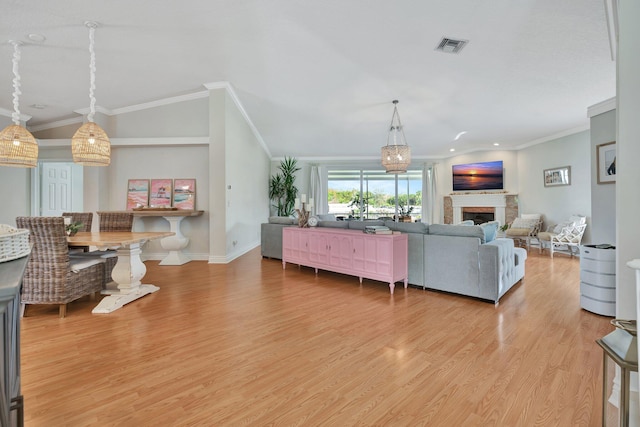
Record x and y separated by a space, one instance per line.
317 77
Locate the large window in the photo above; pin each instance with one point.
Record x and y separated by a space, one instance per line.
371 194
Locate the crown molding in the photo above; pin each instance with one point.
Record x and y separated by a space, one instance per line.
135 142
602 107
553 136
56 124
99 109
232 93
160 102
611 10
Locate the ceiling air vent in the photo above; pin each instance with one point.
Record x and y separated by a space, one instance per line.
449 45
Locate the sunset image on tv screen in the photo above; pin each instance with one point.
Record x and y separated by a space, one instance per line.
478 176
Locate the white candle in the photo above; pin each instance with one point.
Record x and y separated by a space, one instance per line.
310 202
304 198
296 203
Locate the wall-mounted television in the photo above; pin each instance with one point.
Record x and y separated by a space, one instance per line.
478 176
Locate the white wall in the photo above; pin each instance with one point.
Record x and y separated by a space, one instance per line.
603 196
557 204
181 119
15 191
247 168
444 173
628 146
163 162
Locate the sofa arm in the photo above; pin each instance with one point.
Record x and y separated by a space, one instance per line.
271 240
497 268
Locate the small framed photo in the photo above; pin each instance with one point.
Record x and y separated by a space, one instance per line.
161 192
606 155
557 176
137 193
184 194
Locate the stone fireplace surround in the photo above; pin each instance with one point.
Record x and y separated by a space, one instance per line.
503 205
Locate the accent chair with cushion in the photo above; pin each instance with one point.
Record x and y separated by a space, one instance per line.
52 276
566 235
525 229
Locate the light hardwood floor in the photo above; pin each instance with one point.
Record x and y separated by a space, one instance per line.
250 344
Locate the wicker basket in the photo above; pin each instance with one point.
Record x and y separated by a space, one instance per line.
14 243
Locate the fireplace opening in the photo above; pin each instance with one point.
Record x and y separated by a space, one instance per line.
478 215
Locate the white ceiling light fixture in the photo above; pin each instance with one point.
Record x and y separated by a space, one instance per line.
18 148
90 144
396 155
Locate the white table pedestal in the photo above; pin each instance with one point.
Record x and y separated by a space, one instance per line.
175 244
126 286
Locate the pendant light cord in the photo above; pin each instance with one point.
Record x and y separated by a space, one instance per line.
92 73
16 83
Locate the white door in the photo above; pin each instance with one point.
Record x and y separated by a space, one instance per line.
57 188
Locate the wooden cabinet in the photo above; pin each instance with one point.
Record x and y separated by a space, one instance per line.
378 257
11 405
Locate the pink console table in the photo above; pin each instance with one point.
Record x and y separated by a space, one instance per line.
373 256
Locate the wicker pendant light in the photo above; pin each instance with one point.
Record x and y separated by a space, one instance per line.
18 148
90 144
396 155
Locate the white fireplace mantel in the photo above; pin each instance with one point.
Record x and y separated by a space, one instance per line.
498 201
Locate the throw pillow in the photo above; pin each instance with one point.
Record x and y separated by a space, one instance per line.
524 223
577 219
467 222
326 217
558 228
490 230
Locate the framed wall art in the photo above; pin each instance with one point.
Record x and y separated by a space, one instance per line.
606 159
557 176
137 193
161 193
184 194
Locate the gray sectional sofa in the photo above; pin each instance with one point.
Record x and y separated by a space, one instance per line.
462 259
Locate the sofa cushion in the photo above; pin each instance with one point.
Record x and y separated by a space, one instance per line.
334 224
360 225
490 230
281 220
407 227
467 222
518 232
457 230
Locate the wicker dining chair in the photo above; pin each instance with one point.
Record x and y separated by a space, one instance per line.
116 221
52 277
113 221
84 218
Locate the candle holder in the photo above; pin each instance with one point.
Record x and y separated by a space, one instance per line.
303 217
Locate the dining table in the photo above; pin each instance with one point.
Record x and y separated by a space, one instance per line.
129 270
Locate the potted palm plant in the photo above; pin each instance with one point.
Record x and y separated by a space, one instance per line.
282 189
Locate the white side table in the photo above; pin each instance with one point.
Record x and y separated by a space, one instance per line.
176 243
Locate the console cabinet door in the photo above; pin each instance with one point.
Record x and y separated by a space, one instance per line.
318 248
384 256
359 253
295 245
340 251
